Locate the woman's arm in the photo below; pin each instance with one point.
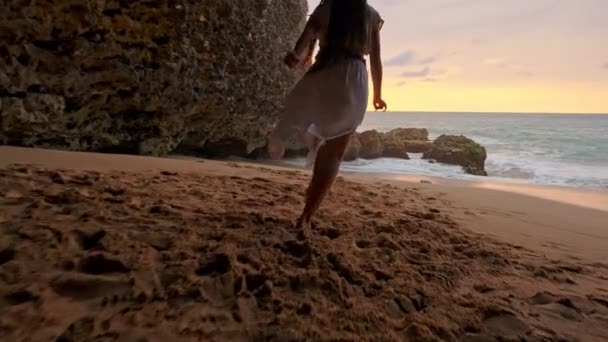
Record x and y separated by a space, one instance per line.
376 69
305 44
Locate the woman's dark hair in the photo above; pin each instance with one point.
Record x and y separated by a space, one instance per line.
347 23
348 28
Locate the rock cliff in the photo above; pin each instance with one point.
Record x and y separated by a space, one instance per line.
145 77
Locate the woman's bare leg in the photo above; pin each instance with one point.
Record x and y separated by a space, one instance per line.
327 165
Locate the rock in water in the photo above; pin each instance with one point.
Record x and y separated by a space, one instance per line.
145 77
459 150
415 134
371 145
394 149
353 149
408 140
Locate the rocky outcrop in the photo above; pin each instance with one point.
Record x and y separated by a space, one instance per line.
459 150
398 143
394 149
372 145
353 150
406 140
408 134
145 77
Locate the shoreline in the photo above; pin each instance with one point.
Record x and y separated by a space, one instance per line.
581 196
584 197
539 217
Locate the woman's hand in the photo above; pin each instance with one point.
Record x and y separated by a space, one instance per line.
291 60
379 104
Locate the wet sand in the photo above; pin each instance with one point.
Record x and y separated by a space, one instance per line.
124 248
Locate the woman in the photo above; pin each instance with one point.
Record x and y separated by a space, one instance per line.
329 102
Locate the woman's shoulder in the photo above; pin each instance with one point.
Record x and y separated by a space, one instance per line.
322 11
376 18
373 12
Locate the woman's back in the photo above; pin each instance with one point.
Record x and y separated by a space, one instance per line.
322 15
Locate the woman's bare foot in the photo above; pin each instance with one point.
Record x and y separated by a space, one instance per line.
304 227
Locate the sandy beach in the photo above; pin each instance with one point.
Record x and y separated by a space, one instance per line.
127 248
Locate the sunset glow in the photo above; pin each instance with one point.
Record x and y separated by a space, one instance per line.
547 56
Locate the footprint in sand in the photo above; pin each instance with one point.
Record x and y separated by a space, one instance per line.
599 300
6 254
86 287
214 265
78 331
331 233
483 288
363 244
478 338
560 310
101 263
301 251
505 324
19 296
88 240
543 298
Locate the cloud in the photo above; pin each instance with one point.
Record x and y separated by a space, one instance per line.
527 73
410 57
427 74
504 63
404 58
500 62
427 60
424 72
605 66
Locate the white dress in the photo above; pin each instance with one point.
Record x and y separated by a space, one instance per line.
330 102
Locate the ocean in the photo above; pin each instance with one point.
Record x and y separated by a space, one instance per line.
551 149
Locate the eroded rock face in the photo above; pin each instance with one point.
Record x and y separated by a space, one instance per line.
407 140
394 149
410 134
459 150
372 146
145 77
398 143
353 149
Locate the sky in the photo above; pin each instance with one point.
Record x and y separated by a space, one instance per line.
541 56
